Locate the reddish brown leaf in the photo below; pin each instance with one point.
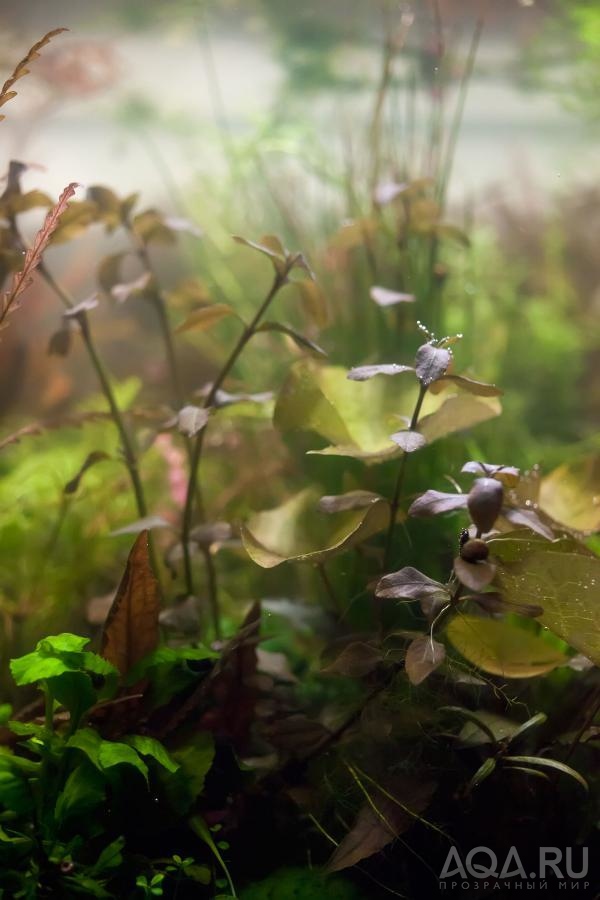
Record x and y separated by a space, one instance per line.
423 656
33 257
131 629
380 822
22 69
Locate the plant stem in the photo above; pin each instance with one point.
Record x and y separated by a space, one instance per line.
193 484
395 502
213 594
329 588
129 451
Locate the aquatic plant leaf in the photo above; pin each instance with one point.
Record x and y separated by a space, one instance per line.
385 297
92 459
363 373
381 820
561 577
431 363
356 660
501 648
333 503
297 532
299 339
474 575
408 440
410 584
33 257
131 628
423 656
140 525
314 301
433 503
508 475
22 67
148 746
205 317
571 494
192 419
470 385
458 413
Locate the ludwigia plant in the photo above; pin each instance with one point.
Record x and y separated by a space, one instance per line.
377 715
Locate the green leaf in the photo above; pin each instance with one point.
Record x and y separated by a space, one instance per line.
110 858
545 763
562 577
75 692
195 760
83 792
358 417
484 771
114 753
32 667
148 746
569 494
62 643
501 648
297 532
458 413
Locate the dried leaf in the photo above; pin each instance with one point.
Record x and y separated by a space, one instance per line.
131 628
205 317
432 503
431 363
410 584
423 656
363 373
385 297
33 257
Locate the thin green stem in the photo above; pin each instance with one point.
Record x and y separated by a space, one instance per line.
128 446
395 502
279 281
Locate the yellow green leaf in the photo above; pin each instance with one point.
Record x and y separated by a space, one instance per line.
502 648
297 531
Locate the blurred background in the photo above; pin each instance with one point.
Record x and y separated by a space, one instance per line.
307 120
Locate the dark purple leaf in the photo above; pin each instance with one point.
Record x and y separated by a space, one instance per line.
432 503
431 363
363 373
409 584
